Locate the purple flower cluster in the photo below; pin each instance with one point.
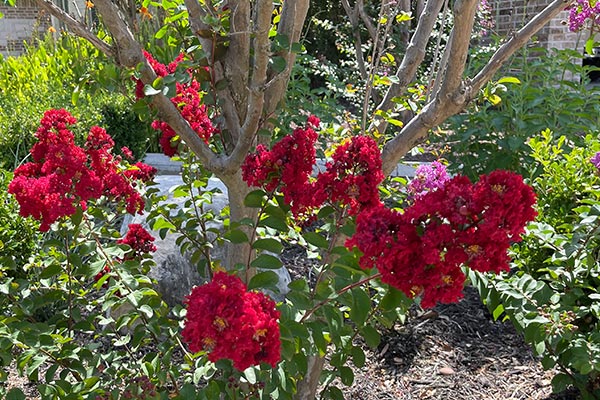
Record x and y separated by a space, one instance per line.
428 178
580 12
596 160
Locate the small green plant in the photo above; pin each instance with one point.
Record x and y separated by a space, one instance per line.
550 91
553 294
18 235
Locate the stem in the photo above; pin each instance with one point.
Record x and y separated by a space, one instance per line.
128 289
338 293
69 283
253 233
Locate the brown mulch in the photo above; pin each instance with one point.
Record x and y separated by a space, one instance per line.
454 352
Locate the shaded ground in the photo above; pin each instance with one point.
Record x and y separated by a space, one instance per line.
454 352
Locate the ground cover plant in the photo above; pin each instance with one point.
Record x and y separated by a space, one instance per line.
551 294
87 322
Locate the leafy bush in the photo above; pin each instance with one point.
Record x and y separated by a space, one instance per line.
553 93
553 296
69 74
18 236
126 128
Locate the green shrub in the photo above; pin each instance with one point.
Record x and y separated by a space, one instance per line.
126 128
553 296
18 236
494 132
71 74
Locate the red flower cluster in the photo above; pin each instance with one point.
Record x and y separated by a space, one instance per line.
351 178
289 163
188 102
139 239
227 321
63 175
420 252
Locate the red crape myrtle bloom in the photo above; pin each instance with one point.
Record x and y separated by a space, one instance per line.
288 164
187 100
420 252
64 176
227 321
139 239
351 178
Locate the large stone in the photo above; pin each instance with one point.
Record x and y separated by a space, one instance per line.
175 273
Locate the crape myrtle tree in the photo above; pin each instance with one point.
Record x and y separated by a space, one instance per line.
243 53
251 55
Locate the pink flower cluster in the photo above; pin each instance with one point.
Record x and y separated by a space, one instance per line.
351 178
228 322
582 11
187 100
64 176
428 177
420 251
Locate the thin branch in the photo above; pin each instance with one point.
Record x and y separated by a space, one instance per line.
457 48
352 14
516 42
129 54
360 6
442 107
76 27
293 15
414 56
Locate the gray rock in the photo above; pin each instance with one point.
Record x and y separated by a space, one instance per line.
175 274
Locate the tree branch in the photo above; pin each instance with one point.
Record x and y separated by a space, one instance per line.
457 48
442 107
129 54
76 27
256 97
292 20
415 53
237 59
517 41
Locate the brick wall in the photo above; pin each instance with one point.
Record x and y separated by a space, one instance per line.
20 24
510 15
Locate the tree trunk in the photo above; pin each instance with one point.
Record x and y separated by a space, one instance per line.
307 387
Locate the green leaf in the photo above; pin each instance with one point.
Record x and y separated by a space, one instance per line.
509 79
361 305
316 240
393 299
275 223
589 46
161 223
561 382
278 64
335 393
265 279
266 261
371 336
50 271
236 236
268 244
15 394
255 198
358 356
346 375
